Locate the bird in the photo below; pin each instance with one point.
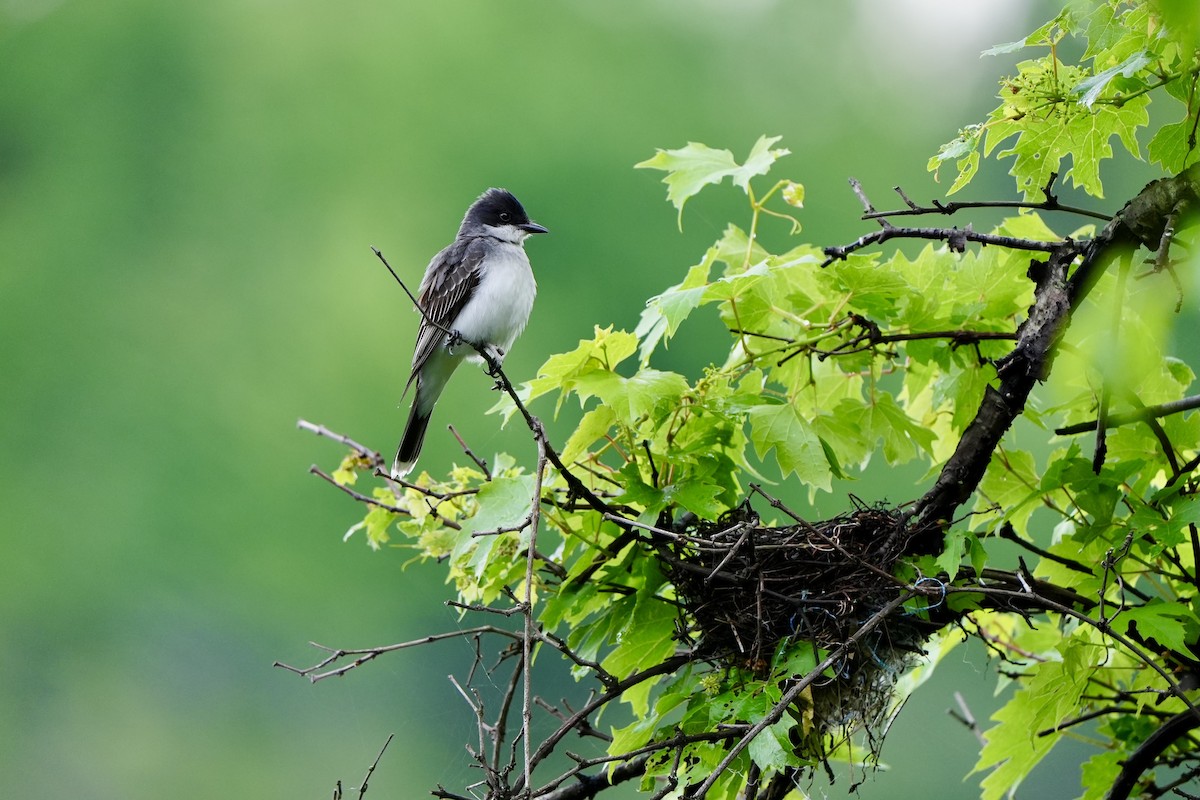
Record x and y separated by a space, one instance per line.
476 292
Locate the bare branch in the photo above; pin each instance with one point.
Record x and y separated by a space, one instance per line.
371 456
1140 415
359 496
362 790
869 211
965 716
956 238
550 742
364 655
530 627
479 462
938 207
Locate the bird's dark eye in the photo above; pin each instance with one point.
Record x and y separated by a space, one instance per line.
504 216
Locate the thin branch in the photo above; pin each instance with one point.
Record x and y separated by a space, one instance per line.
373 457
956 238
359 496
1008 533
1139 415
425 316
583 728
1101 450
775 503
1184 469
476 706
1194 535
869 211
872 337
440 792
965 716
550 742
366 654
1160 434
1096 714
589 785
773 716
362 790
535 425
500 727
938 207
479 462
1050 605
526 654
1162 257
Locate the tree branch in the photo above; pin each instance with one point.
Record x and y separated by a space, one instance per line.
938 207
1057 294
369 653
1147 753
1139 415
956 238
1018 372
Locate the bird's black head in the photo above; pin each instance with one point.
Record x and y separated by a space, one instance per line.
499 210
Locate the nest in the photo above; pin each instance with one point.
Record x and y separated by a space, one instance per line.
746 588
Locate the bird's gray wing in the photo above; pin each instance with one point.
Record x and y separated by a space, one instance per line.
450 280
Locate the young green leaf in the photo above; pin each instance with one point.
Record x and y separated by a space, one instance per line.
797 447
689 169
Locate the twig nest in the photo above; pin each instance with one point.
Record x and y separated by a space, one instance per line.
746 588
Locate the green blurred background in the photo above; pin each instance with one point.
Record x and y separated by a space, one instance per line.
188 193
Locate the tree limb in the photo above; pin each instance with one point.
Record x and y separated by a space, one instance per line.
1147 753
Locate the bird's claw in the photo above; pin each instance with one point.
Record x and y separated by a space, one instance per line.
493 359
453 339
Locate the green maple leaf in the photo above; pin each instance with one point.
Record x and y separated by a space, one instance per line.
1042 144
1013 746
689 169
797 447
647 639
563 371
1091 88
595 423
1166 623
964 152
901 434
631 398
664 313
1171 147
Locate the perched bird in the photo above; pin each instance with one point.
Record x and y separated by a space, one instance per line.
480 289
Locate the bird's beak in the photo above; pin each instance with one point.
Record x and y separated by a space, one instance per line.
533 227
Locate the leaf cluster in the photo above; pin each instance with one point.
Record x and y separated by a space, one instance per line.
1051 111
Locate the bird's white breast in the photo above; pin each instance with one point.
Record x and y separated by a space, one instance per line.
499 309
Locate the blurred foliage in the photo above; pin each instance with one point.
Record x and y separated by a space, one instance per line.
187 196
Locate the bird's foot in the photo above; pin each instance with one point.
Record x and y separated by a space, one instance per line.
453 339
494 358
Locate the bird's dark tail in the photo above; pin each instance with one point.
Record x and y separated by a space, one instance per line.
410 443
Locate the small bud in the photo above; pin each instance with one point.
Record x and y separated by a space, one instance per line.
793 194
